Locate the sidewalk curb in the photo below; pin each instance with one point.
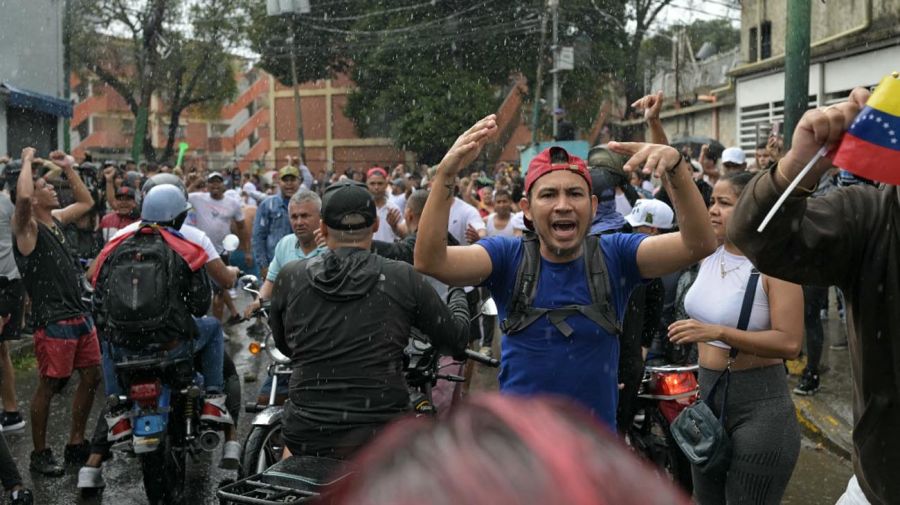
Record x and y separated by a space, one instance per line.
823 425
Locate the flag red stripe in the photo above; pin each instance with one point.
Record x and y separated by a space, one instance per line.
868 160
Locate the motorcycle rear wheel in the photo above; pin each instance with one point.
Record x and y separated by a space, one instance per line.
164 474
263 448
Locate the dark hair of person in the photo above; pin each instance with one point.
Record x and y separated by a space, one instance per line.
502 192
762 145
738 181
502 450
416 201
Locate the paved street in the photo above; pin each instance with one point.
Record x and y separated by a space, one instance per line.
820 475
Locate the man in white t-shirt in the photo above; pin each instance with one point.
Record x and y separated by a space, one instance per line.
214 214
391 225
499 223
462 217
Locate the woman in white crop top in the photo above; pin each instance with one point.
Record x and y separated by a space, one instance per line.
760 418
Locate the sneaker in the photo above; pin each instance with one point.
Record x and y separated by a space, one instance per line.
839 346
44 463
214 410
231 455
21 497
119 426
77 454
487 351
12 422
808 385
90 477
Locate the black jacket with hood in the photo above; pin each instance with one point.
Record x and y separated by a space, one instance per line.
344 319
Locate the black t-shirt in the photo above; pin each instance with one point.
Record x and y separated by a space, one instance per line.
53 277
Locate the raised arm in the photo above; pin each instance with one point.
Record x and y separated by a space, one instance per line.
664 254
83 200
809 241
24 225
455 266
651 105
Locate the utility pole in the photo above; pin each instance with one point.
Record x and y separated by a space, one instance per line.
292 8
67 69
298 114
796 66
536 112
554 7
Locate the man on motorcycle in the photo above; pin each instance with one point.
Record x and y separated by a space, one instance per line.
164 210
344 318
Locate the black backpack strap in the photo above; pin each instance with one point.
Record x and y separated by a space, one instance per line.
527 275
743 322
522 312
602 310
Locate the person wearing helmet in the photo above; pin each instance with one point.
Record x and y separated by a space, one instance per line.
186 293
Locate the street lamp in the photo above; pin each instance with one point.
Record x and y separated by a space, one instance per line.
292 8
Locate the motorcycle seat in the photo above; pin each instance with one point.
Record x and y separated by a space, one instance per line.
308 473
155 362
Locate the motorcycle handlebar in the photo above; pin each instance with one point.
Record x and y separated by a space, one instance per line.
481 358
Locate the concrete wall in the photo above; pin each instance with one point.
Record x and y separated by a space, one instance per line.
827 19
702 124
31 54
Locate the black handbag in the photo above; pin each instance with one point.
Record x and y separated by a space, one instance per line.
699 434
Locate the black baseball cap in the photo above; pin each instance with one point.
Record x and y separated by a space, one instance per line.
348 205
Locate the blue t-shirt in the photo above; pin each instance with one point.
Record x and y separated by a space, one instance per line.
540 359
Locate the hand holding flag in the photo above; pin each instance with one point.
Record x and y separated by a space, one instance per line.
871 147
819 131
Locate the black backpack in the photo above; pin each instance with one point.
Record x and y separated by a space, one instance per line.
138 289
521 312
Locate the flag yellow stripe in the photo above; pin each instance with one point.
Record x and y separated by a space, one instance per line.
886 96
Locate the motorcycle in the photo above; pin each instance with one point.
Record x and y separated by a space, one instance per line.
664 392
164 398
300 479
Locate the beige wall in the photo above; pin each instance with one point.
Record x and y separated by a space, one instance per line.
828 18
701 124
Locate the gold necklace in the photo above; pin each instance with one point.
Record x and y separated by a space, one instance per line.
722 266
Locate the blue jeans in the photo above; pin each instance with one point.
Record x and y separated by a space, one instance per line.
209 344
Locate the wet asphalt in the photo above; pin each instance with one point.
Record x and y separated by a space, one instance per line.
820 476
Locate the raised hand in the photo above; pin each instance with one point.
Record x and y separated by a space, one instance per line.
468 146
656 158
393 217
650 104
28 154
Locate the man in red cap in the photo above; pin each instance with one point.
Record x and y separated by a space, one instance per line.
561 292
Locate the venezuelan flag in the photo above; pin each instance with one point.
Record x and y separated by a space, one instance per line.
871 147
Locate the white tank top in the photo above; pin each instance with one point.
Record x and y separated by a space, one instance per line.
714 299
492 230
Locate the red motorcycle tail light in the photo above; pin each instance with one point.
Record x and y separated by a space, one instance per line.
143 392
676 383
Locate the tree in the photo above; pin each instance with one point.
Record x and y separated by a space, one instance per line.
656 51
177 50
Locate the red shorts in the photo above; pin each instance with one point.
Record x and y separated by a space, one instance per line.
67 345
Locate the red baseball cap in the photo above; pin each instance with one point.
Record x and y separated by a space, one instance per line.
541 165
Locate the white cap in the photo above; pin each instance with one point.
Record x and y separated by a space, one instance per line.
734 155
651 213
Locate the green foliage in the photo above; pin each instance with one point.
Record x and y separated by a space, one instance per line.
719 32
424 110
177 50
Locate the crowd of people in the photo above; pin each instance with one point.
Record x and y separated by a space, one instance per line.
642 250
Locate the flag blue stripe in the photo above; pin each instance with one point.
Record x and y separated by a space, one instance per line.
877 127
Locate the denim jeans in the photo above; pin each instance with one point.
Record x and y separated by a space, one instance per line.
209 344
